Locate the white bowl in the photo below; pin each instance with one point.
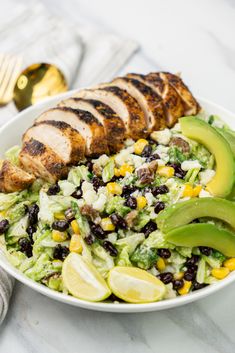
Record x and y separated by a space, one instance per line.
10 134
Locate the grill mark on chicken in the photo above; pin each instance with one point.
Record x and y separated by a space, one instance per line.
87 117
12 178
153 104
135 111
34 147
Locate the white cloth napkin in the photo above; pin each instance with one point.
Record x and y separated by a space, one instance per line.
85 54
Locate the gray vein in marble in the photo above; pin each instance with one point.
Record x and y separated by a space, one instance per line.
197 323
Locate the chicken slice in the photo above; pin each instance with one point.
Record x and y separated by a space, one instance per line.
151 103
113 125
42 161
124 105
13 178
65 141
172 101
192 107
84 124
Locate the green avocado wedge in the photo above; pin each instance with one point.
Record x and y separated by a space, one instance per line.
202 132
185 212
203 234
229 137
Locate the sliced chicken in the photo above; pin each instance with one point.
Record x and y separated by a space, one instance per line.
42 161
83 124
173 103
65 141
113 125
151 103
124 105
13 178
191 105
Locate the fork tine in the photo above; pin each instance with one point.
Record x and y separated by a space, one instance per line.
12 77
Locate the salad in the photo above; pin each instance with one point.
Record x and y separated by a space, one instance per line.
154 221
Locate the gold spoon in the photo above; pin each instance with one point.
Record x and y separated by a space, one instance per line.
37 82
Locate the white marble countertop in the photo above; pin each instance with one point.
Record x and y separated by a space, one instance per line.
196 38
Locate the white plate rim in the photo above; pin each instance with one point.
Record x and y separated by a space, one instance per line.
113 307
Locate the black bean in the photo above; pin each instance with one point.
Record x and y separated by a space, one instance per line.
69 215
164 253
30 230
33 214
160 190
89 239
147 151
90 166
189 276
110 248
97 183
197 285
166 277
98 231
77 194
25 246
60 225
60 252
118 221
127 190
178 283
179 172
153 157
193 260
53 189
4 225
192 268
205 250
149 228
159 206
131 202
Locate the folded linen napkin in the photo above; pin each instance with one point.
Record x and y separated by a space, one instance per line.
85 54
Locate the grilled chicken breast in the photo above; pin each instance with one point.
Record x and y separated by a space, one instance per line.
13 178
124 105
83 124
151 103
172 101
191 105
42 161
65 141
113 125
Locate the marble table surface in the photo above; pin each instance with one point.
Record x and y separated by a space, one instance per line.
196 38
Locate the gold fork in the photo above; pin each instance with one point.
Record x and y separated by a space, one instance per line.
10 66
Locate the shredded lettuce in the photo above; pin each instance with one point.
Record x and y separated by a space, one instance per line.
77 174
66 187
101 259
108 171
82 221
116 204
12 155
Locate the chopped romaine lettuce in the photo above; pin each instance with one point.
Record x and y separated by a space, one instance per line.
101 259
201 272
82 220
77 174
66 187
108 171
116 204
12 154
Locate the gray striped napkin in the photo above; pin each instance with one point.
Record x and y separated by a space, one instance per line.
85 54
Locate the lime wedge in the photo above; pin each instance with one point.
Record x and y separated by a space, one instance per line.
82 279
135 285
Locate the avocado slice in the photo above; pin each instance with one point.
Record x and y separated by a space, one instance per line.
229 137
203 234
196 129
185 212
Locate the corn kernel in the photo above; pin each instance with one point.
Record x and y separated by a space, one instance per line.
230 264
2 213
125 168
188 191
59 236
75 244
141 202
59 215
107 224
179 275
197 190
186 288
116 172
160 264
75 227
220 273
114 188
140 145
164 171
